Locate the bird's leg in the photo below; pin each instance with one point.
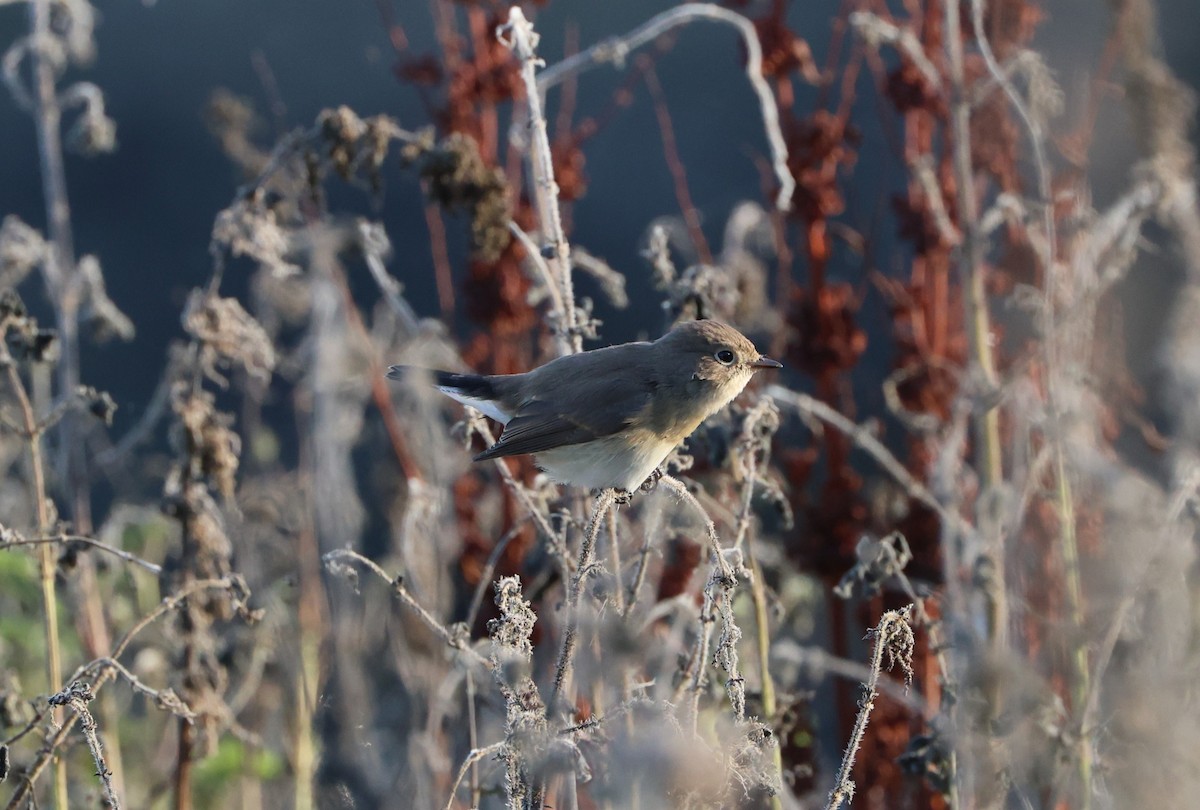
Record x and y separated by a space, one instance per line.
623 496
651 483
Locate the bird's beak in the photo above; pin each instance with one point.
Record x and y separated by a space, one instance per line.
766 362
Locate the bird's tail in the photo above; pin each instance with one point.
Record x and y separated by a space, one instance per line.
475 390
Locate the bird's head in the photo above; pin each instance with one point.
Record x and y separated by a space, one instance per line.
714 353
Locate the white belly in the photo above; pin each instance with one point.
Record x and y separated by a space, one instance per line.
604 463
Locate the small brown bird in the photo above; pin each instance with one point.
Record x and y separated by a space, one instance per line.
609 417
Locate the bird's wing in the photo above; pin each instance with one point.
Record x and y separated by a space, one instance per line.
537 426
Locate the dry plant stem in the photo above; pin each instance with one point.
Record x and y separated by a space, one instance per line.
721 579
622 607
1079 655
683 195
66 289
48 119
442 272
473 737
986 423
587 556
458 642
87 725
166 605
46 561
758 595
59 272
614 556
616 49
489 568
762 627
185 730
523 40
473 757
863 439
884 633
313 624
710 529
21 796
535 258
639 578
979 321
62 281
694 677
824 663
987 420
381 393
876 30
166 698
556 545
58 268
64 539
1066 505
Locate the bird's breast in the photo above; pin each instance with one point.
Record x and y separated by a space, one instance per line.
622 461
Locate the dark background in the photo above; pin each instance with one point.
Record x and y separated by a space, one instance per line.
146 210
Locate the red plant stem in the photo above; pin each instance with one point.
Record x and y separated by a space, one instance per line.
568 94
489 127
380 393
443 26
683 196
443 273
183 765
395 31
779 238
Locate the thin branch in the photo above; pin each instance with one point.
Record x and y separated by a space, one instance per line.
535 258
587 555
554 540
489 568
616 49
867 442
48 751
47 565
458 640
875 31
474 756
519 35
77 696
163 698
972 251
683 194
894 637
710 528
11 539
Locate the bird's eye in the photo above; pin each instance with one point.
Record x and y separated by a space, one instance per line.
725 357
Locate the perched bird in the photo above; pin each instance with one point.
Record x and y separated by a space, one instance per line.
607 418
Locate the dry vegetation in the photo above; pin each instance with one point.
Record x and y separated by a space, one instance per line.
369 621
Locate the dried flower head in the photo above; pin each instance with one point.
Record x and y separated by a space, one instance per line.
459 180
226 332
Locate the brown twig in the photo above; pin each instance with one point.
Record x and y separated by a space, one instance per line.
11 539
456 638
683 195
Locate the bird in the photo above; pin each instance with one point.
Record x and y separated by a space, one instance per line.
607 418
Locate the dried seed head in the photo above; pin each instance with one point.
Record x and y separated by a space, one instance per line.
228 333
